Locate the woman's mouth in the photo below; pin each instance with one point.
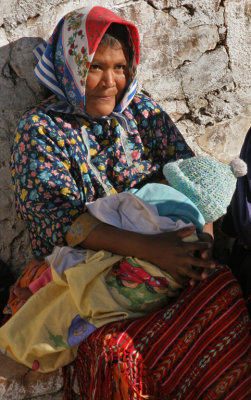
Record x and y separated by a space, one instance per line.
105 98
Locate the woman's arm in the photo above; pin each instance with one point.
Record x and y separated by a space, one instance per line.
163 142
166 250
48 194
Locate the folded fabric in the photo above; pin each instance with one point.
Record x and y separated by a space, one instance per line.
171 203
153 209
45 333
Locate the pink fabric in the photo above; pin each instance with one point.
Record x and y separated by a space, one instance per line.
42 281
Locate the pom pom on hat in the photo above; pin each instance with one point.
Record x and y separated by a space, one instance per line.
239 167
207 182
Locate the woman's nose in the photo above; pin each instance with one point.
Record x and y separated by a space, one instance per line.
108 78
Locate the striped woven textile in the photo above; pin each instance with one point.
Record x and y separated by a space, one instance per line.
198 348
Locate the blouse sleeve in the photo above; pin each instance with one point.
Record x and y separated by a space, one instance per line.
48 196
171 145
162 141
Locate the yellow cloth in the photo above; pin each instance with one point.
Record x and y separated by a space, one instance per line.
67 310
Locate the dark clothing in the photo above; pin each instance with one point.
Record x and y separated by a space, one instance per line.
237 223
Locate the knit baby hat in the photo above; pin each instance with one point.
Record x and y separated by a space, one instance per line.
207 182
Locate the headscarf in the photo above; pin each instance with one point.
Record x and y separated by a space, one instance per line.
63 66
64 61
241 201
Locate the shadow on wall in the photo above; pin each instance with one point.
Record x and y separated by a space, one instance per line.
19 91
20 88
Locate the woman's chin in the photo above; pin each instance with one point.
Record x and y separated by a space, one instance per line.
100 110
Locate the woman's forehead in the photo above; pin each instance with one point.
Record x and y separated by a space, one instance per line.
106 53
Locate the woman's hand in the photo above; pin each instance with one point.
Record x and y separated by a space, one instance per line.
169 252
206 254
165 250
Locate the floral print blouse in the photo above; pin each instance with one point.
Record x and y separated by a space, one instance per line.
52 174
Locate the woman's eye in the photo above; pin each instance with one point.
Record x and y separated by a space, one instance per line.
121 66
94 67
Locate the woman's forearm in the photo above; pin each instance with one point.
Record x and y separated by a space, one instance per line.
110 238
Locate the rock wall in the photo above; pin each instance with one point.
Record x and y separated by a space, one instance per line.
195 62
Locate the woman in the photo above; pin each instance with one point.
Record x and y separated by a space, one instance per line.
237 223
97 136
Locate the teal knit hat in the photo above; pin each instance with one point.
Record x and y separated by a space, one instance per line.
207 182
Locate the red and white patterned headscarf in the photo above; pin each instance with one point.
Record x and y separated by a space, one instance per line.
64 61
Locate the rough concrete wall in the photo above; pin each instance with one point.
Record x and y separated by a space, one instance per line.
195 62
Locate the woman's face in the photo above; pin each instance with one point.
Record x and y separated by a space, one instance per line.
106 80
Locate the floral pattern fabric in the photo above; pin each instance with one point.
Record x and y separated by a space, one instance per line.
51 175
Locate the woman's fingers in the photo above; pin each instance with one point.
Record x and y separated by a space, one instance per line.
199 262
174 255
192 247
188 275
194 272
195 269
184 232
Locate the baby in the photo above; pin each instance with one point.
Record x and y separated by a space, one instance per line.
200 189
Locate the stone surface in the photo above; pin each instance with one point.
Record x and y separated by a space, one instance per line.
18 382
225 139
199 78
195 61
238 43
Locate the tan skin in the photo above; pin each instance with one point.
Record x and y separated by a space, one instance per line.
105 85
106 80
